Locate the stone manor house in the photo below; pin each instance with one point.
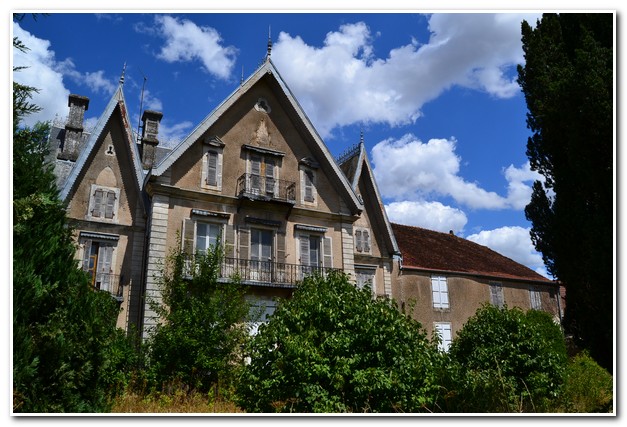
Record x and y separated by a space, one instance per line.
256 173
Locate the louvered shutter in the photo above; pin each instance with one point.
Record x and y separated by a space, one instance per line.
327 253
212 168
280 248
358 241
366 241
304 249
244 243
255 173
443 292
187 240
97 205
86 255
269 173
229 241
308 185
110 204
435 291
105 257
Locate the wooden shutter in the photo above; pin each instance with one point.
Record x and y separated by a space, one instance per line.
304 249
435 291
212 168
366 241
358 241
496 294
269 174
308 185
97 205
255 173
327 253
229 241
86 255
105 256
244 243
110 204
280 248
187 240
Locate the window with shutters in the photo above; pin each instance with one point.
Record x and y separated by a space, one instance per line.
362 241
98 262
308 186
443 329
536 298
314 252
103 204
263 171
496 294
207 236
439 292
212 168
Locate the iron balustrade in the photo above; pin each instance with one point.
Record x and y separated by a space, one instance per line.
106 282
266 188
263 273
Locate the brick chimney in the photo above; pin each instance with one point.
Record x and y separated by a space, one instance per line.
150 131
74 127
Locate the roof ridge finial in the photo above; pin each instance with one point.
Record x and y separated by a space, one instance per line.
269 42
361 136
122 76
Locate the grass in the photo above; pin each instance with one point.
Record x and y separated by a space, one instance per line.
178 403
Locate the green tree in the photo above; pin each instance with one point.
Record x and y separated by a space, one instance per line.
63 331
507 360
198 344
332 348
567 80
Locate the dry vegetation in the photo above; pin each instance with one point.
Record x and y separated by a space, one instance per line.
179 403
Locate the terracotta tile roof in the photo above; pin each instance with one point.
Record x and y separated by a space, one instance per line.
432 250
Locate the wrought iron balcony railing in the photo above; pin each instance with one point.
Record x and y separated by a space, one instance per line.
111 283
264 273
266 188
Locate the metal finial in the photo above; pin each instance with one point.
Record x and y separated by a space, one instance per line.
269 42
361 136
122 76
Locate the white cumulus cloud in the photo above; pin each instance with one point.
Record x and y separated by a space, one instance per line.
185 42
342 82
513 242
429 215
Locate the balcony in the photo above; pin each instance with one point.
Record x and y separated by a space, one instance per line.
265 273
257 187
111 283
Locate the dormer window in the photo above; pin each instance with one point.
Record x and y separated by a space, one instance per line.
211 177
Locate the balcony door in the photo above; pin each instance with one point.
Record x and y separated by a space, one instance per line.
97 261
262 175
261 254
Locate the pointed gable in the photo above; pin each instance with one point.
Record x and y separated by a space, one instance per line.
260 139
116 106
356 165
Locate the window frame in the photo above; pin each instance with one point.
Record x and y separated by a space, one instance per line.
308 174
363 245
535 298
209 149
444 344
497 296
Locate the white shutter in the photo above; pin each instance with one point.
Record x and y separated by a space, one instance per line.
97 205
435 291
366 241
110 204
358 241
308 184
86 255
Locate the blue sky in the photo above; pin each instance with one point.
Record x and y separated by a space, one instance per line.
434 94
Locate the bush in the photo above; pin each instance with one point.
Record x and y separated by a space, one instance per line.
198 344
507 361
332 348
587 386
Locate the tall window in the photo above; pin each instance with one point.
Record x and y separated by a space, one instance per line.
103 203
315 252
98 262
439 291
211 176
536 298
496 294
443 329
262 174
207 236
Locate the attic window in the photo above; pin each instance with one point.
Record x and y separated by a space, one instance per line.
263 106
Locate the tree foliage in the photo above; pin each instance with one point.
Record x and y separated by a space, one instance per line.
507 360
332 348
198 344
567 80
63 331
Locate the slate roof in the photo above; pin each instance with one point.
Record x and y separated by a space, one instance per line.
429 250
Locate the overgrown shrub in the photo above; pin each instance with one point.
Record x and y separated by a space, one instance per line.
198 344
506 360
333 348
587 386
